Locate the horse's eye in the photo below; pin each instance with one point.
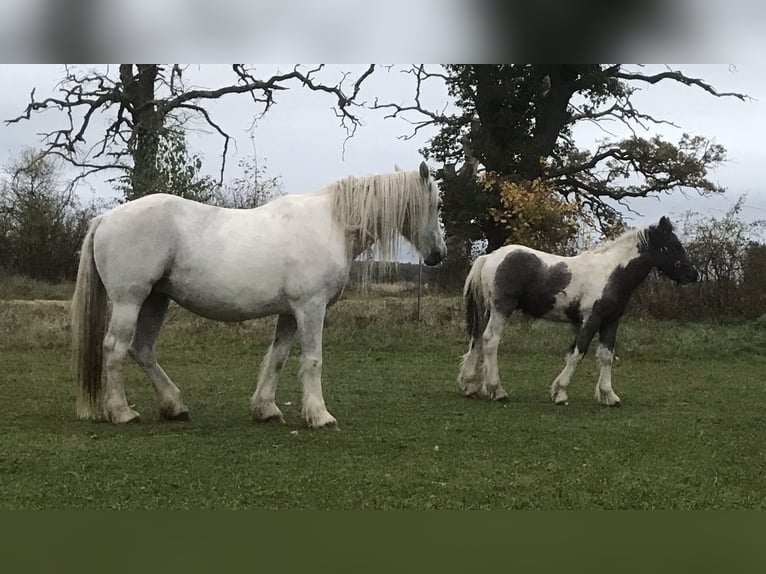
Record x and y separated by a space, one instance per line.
677 264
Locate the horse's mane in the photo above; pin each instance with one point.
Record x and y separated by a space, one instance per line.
378 207
634 235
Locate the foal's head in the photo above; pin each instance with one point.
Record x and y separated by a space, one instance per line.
667 253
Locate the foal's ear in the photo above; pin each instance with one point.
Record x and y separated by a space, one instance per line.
665 225
424 173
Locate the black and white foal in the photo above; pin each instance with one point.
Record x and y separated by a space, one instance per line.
590 290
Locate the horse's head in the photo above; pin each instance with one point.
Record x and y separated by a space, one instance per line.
426 234
668 254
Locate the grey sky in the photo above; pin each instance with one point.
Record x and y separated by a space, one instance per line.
302 142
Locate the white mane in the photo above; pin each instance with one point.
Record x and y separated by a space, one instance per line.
378 208
632 237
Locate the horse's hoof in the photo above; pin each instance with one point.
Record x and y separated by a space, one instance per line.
271 419
124 417
470 390
502 398
608 399
561 403
322 421
560 397
266 413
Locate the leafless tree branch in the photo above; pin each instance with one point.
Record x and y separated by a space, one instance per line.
83 94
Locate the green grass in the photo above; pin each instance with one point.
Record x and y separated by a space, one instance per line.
690 433
18 287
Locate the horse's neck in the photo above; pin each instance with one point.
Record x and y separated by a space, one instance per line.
632 272
360 240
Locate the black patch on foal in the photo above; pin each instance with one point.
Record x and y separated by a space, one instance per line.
620 286
523 281
573 312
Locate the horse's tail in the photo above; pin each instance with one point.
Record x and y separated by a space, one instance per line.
89 317
476 311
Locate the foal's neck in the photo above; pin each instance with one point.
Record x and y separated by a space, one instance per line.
628 276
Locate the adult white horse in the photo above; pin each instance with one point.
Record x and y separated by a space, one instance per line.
290 257
590 290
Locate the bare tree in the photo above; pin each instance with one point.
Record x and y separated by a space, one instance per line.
145 100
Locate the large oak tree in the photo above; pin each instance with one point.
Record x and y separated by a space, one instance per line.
515 121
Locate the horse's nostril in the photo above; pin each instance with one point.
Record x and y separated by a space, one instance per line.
434 258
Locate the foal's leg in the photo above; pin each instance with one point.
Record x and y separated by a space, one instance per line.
119 334
572 359
491 387
605 354
310 322
262 405
469 378
150 320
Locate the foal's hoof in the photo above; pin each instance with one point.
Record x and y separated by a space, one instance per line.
501 397
560 397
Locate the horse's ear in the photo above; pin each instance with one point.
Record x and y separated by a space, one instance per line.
665 225
397 168
424 173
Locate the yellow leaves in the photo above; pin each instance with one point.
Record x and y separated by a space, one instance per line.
534 213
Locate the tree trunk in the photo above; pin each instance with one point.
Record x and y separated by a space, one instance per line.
148 122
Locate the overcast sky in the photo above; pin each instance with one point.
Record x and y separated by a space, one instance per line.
302 142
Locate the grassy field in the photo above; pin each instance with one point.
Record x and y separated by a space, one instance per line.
690 433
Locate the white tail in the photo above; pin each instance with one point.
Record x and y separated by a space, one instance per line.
89 317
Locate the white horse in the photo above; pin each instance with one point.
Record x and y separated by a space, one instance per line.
290 257
590 290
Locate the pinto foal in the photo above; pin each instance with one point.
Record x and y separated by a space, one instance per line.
590 290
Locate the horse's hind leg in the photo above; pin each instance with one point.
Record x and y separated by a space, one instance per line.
469 379
491 387
142 350
119 334
262 404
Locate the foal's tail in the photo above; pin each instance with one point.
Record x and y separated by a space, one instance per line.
476 311
89 316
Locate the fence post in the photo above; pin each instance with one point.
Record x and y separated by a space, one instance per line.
420 284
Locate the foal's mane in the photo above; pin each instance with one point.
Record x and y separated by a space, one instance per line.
377 208
635 236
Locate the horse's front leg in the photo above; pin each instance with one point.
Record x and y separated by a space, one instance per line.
310 320
559 394
605 355
263 406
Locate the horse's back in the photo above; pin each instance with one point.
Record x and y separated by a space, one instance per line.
519 277
227 264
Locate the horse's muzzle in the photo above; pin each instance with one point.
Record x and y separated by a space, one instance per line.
434 258
690 276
